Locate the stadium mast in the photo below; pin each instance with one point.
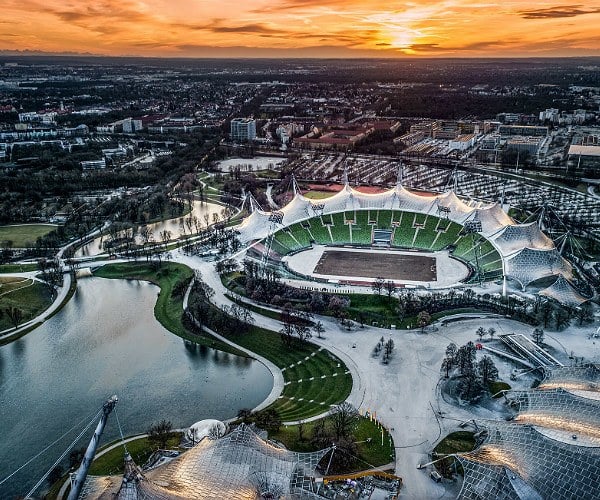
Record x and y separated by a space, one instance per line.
81 474
400 175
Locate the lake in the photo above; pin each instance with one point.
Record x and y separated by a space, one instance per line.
106 341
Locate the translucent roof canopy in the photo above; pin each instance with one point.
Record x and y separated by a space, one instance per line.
583 379
564 292
518 236
559 414
518 460
529 265
239 465
551 449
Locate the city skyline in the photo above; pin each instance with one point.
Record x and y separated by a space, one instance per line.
302 28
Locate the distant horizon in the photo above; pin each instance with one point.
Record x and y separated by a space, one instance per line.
304 29
39 53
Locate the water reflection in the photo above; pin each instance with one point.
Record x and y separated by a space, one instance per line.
106 342
200 209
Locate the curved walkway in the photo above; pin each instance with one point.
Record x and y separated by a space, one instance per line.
61 296
401 393
211 278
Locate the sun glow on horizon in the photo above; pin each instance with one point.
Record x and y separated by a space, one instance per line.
301 28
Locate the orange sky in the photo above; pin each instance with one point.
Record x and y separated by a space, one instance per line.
301 28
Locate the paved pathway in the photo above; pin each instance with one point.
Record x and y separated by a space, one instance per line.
60 298
404 394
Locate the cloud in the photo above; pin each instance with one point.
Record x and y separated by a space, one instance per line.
423 47
247 28
557 12
287 5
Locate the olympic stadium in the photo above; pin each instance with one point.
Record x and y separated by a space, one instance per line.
423 240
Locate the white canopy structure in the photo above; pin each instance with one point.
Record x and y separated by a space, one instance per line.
526 252
492 219
530 264
564 292
515 237
549 449
257 225
239 465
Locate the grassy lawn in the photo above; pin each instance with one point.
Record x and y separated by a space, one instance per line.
370 453
497 386
316 380
32 299
168 309
23 235
111 463
378 308
18 268
257 309
454 442
370 308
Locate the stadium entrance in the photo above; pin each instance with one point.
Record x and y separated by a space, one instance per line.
382 237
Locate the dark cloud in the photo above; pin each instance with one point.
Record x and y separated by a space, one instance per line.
295 4
557 12
104 16
423 47
246 28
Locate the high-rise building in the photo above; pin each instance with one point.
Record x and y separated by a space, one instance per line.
243 129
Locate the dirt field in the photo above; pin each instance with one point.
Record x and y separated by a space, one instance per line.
386 265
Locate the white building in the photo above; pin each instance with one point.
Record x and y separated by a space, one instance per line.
462 142
243 129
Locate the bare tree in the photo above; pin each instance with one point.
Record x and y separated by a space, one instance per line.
377 285
15 315
447 366
487 370
390 288
165 236
319 329
214 432
343 419
538 336
481 332
160 433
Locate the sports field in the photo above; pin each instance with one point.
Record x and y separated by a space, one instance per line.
386 265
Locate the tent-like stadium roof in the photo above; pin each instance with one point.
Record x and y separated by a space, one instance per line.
582 380
564 292
517 236
493 219
550 450
528 254
559 414
239 465
517 461
528 265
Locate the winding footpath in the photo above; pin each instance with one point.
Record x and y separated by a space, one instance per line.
61 297
403 394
